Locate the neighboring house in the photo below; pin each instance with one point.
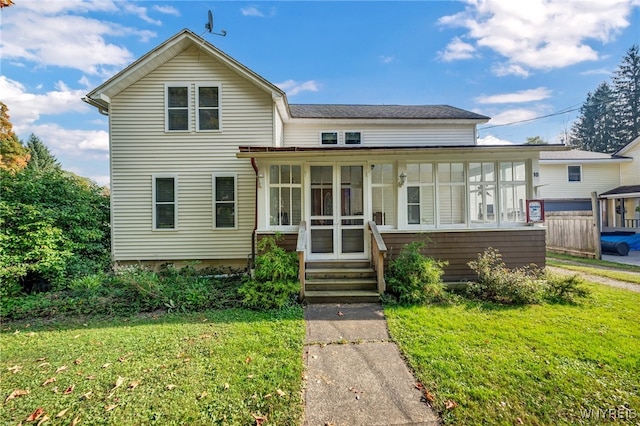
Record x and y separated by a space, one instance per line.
568 178
206 154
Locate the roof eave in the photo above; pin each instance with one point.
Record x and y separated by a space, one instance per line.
400 121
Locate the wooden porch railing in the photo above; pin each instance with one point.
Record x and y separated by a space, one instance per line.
632 223
300 248
378 253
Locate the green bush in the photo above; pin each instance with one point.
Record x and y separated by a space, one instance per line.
275 282
565 289
497 283
415 278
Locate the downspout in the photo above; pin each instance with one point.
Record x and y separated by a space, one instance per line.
255 215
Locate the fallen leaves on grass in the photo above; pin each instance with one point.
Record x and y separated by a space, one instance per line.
119 382
203 395
110 407
450 404
60 369
69 390
62 413
259 419
14 369
16 393
170 386
134 384
35 415
50 380
75 421
280 392
43 420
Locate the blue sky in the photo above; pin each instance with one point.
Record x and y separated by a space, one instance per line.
510 60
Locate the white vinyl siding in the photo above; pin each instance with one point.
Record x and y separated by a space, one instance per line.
630 171
595 177
140 147
307 135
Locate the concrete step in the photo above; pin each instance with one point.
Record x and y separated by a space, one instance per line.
351 296
331 284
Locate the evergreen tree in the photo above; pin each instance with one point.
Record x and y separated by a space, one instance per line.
41 157
595 129
13 155
626 81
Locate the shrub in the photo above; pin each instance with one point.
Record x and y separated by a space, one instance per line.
497 283
414 278
275 282
567 289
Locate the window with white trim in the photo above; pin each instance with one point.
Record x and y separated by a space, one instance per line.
224 201
420 194
574 173
513 191
208 106
383 202
352 138
165 205
482 192
285 194
177 106
329 138
451 192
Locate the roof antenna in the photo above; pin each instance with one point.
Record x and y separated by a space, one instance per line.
209 25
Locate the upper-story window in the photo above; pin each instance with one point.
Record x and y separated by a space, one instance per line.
177 99
182 110
574 173
340 138
208 102
352 138
329 138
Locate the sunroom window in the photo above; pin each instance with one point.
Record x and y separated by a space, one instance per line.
482 192
420 194
383 194
285 194
513 191
451 193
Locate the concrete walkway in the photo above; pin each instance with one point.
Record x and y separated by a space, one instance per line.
355 374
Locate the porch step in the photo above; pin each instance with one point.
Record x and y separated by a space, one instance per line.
331 284
342 296
340 282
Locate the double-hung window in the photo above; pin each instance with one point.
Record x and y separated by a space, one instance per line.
451 194
224 201
420 194
574 173
482 192
165 204
383 183
177 104
285 195
208 106
513 191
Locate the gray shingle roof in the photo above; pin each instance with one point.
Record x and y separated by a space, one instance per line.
381 112
576 154
629 189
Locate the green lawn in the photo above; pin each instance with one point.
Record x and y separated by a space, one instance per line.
536 365
224 367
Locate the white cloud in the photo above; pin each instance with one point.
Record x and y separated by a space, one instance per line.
56 34
252 11
502 69
456 50
513 115
140 12
541 34
25 108
493 140
292 87
598 71
167 10
87 144
387 59
529 95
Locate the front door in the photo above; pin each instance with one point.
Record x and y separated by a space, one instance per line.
336 221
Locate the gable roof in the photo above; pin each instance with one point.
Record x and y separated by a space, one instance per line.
627 190
628 147
425 112
579 155
100 96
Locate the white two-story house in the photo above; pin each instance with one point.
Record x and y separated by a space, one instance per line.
207 157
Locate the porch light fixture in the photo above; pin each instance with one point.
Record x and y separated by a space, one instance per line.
260 179
403 178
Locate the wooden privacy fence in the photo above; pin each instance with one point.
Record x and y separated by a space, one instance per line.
573 232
